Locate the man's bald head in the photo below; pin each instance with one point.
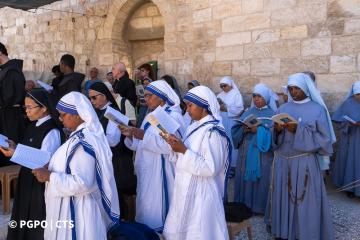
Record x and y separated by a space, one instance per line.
118 70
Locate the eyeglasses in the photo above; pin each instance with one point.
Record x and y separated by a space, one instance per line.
27 107
223 85
94 97
147 95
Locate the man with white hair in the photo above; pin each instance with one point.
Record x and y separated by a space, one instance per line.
123 84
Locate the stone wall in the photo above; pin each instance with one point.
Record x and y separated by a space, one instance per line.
252 40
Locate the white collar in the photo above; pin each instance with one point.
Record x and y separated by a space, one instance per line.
302 101
265 107
42 120
106 105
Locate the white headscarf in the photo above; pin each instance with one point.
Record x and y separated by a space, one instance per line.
355 89
164 91
229 81
205 98
304 82
269 96
77 104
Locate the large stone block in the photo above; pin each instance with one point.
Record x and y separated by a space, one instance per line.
285 49
352 26
279 4
300 31
184 66
90 35
106 59
346 45
202 15
263 36
221 68
265 66
245 23
252 6
152 11
230 39
299 15
209 57
336 83
229 53
343 64
344 8
140 23
199 4
241 67
316 47
227 10
174 51
260 50
317 64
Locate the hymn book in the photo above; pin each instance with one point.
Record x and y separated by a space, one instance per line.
116 116
250 121
3 141
160 118
283 118
30 157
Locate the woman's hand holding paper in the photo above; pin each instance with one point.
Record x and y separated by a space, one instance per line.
8 152
176 144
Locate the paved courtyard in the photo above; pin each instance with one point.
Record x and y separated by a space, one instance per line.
345 212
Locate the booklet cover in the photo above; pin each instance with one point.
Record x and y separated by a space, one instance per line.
283 118
30 157
116 116
251 121
159 116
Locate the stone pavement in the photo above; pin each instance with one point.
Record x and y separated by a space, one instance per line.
345 212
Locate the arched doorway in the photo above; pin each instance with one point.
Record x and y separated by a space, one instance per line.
145 33
117 38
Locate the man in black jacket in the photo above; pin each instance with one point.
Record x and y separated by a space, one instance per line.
12 95
71 81
123 85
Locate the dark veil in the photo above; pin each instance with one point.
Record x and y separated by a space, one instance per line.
103 89
42 97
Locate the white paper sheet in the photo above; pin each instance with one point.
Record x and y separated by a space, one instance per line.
116 116
3 142
165 120
30 157
46 86
346 117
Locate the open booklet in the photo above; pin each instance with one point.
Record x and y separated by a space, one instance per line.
349 119
116 116
283 118
162 121
30 157
44 85
3 142
250 121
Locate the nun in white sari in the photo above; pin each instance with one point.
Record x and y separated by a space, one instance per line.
80 195
231 107
197 211
155 174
